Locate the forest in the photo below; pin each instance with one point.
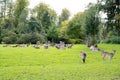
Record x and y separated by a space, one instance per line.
20 24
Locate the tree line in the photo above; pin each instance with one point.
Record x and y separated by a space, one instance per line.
19 24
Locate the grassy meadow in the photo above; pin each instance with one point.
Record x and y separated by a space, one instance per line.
29 63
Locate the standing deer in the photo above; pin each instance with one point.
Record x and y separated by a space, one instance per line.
83 56
108 54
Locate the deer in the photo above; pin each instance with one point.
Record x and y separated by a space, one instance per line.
45 46
36 46
69 45
110 55
83 56
94 48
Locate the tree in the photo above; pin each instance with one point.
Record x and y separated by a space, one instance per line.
6 14
91 24
22 26
20 8
3 4
10 9
46 16
34 25
112 9
63 29
52 33
64 15
74 29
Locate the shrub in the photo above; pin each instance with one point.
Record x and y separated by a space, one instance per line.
37 37
9 38
24 38
75 41
30 38
112 39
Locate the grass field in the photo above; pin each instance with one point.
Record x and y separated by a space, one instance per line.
53 64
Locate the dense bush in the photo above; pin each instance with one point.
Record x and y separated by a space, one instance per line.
9 37
75 41
24 38
112 39
30 38
37 37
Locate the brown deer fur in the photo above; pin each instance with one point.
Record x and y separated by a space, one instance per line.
108 54
83 56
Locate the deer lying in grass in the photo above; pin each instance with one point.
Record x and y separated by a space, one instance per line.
36 46
108 54
94 48
83 56
46 46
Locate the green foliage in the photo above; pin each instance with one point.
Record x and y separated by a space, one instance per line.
9 37
63 29
8 23
111 8
22 28
53 32
24 38
20 11
38 23
112 40
34 25
64 15
75 41
41 9
91 23
12 37
23 16
45 15
102 31
37 37
53 64
30 38
10 9
74 29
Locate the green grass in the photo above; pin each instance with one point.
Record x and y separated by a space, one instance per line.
53 64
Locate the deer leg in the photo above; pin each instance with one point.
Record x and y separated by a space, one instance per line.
83 60
103 57
110 59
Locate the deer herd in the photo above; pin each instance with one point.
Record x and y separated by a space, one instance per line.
62 46
110 55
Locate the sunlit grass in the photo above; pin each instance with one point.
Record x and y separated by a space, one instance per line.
53 64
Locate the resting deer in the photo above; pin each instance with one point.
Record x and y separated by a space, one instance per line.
69 45
83 56
45 46
94 48
36 46
108 54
